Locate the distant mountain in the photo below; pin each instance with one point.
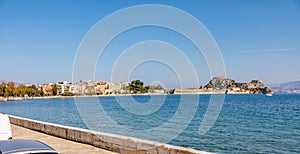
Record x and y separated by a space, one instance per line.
288 87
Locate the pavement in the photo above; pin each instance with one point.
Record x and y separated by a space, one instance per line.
62 146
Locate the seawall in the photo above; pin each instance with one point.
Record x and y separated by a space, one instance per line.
116 143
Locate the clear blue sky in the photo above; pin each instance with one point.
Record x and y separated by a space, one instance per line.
258 39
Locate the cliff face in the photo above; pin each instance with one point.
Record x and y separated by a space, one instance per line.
288 87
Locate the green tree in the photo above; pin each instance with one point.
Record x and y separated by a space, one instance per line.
2 89
9 89
36 91
137 83
21 89
68 94
54 90
29 91
138 86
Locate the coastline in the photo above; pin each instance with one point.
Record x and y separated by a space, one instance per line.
8 99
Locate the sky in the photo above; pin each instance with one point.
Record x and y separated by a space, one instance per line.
257 39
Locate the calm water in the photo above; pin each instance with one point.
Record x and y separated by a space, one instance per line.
247 123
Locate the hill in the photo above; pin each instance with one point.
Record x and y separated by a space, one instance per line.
288 87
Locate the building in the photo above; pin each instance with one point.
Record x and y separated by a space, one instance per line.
125 87
60 88
187 91
89 88
100 88
63 87
113 88
256 84
47 90
236 89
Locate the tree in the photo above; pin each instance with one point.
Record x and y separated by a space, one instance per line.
68 94
54 90
138 86
36 91
9 89
137 83
21 90
2 89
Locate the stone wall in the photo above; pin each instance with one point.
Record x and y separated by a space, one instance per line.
116 143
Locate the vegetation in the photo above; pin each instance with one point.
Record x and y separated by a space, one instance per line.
2 89
54 90
223 83
152 88
68 94
155 87
9 89
264 90
220 83
136 86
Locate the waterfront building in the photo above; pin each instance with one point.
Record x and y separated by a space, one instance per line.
100 88
63 87
47 90
113 88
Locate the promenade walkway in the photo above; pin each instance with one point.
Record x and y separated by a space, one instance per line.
63 146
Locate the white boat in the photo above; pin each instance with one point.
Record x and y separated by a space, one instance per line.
269 94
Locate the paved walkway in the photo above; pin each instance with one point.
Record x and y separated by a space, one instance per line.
61 145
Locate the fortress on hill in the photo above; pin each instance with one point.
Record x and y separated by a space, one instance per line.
221 85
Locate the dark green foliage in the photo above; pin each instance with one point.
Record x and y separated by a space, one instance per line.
68 94
136 86
54 90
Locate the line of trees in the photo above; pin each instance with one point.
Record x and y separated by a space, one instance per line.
9 89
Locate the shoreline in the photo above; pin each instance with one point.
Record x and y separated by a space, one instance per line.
8 99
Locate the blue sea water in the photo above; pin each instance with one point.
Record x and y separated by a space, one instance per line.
246 124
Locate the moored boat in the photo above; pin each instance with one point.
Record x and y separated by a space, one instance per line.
269 94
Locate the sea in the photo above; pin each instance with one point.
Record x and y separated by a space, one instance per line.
244 124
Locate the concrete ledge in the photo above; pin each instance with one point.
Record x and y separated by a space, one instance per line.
116 143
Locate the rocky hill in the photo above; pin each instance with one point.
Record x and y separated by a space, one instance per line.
231 86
